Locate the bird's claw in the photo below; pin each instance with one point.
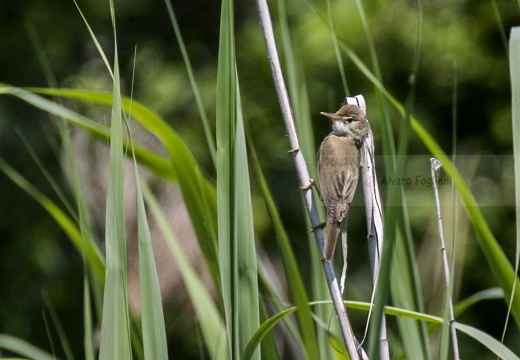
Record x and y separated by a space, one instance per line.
308 186
319 226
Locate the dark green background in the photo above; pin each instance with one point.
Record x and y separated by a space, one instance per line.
461 45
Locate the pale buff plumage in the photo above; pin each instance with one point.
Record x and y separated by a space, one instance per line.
338 170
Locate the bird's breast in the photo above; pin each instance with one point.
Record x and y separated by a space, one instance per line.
338 151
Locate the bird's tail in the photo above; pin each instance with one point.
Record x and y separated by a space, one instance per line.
331 236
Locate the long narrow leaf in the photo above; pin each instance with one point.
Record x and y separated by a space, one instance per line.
208 316
115 326
198 193
154 331
237 254
514 61
492 344
293 277
22 347
157 164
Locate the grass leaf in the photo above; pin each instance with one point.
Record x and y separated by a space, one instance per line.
115 326
293 277
22 347
235 220
208 315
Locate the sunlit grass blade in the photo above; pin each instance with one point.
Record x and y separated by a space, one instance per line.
497 261
209 319
514 59
87 235
87 320
158 164
198 193
115 326
24 348
225 132
294 280
237 252
152 315
263 330
488 341
181 167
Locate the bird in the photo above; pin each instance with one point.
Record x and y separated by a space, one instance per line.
338 171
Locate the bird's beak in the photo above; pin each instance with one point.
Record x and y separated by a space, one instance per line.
330 116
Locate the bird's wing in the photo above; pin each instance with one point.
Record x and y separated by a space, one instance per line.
338 175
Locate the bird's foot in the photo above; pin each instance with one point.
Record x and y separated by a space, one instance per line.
308 186
319 226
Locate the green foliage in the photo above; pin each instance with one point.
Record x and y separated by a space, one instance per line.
227 219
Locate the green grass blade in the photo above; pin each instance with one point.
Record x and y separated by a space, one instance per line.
226 120
514 61
87 321
198 193
246 285
235 223
154 332
152 316
22 347
488 294
115 326
294 280
208 316
492 344
263 330
158 164
497 261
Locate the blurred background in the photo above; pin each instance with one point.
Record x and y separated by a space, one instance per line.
462 97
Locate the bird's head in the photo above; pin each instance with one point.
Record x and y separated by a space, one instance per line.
350 121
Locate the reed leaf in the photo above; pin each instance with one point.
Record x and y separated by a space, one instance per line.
293 277
152 316
208 316
24 348
115 325
237 254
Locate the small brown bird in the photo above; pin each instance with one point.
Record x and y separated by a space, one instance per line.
338 170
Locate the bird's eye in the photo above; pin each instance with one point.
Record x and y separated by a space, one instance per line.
349 119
